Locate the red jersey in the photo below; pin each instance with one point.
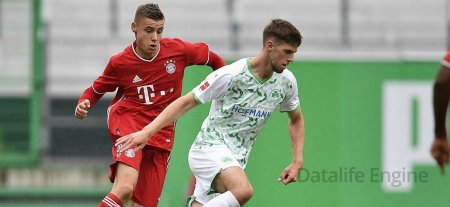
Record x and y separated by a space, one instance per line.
145 87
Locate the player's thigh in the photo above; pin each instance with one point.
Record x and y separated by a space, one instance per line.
230 179
207 164
126 177
152 174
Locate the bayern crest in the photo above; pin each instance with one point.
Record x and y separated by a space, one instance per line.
170 66
130 153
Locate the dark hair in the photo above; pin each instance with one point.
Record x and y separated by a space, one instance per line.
284 31
151 11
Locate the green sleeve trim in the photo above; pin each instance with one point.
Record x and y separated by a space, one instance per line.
297 107
190 200
196 98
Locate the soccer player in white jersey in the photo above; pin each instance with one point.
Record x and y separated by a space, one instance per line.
243 95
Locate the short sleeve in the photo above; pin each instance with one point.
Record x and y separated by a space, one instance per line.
197 53
291 101
108 81
213 87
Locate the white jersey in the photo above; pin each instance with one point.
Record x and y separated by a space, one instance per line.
241 104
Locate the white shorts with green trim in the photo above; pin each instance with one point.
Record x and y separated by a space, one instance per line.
206 164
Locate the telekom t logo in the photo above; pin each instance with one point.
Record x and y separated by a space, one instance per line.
400 153
148 91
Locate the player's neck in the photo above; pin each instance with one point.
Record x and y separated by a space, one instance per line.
261 67
143 55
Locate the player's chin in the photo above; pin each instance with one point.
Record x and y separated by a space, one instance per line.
279 70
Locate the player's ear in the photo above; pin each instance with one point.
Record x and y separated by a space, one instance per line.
269 44
133 27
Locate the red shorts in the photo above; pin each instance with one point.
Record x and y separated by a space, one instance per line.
151 163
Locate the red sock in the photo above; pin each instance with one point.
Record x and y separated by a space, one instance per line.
110 201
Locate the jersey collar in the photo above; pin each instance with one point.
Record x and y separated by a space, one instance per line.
260 81
143 59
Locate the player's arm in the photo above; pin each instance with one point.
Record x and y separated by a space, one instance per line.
296 128
441 94
200 54
107 82
84 102
171 113
215 61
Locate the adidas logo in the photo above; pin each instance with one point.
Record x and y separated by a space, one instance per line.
136 79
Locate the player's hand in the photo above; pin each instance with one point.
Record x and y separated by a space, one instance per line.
290 173
81 111
138 139
440 150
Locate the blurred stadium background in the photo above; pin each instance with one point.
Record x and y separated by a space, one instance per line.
365 72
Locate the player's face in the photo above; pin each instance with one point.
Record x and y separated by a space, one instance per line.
281 54
148 34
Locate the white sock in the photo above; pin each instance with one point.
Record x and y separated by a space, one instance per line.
226 199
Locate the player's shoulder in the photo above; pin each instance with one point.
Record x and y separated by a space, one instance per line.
118 58
229 72
240 65
288 75
236 67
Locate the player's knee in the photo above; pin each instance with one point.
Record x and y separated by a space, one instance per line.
244 193
248 192
124 190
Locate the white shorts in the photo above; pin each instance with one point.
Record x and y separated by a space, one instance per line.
206 164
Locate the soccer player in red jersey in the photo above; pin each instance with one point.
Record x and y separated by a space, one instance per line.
148 77
440 149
